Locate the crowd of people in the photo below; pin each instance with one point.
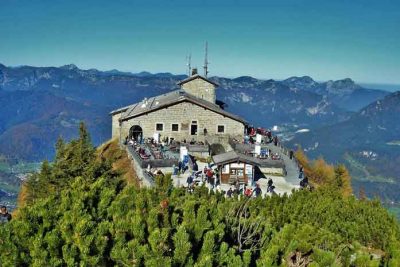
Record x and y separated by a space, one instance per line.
245 191
210 178
149 148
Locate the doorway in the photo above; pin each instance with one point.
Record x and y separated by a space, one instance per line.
136 133
193 128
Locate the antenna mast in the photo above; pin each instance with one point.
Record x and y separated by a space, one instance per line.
189 64
206 61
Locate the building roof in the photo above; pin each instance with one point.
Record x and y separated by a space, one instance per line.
170 99
233 156
196 76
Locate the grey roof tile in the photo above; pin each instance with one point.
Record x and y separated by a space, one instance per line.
169 99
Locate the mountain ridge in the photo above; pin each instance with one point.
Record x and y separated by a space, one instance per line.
98 92
368 143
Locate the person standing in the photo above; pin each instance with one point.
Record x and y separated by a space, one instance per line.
230 192
189 181
210 175
212 181
4 215
237 186
195 167
258 191
276 140
217 179
248 192
179 166
270 185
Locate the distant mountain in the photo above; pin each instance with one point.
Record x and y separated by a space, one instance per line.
343 93
368 142
30 122
38 104
375 125
271 102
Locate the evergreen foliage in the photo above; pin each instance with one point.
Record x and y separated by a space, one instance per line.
81 213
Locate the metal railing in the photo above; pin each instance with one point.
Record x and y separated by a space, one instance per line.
154 163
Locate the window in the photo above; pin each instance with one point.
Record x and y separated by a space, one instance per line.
175 127
159 127
221 129
193 128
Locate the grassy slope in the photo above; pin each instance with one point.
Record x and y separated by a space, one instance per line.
120 159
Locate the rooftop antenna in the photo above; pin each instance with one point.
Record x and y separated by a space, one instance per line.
189 64
206 61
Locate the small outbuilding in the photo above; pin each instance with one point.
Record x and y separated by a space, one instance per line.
234 166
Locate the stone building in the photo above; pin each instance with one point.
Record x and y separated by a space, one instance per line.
189 113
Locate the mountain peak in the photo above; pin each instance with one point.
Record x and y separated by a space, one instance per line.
306 79
245 79
143 74
343 85
301 82
387 106
343 82
346 81
69 67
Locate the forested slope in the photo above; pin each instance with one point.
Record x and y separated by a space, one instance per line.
79 211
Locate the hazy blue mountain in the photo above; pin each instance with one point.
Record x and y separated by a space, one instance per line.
344 93
30 121
368 142
376 124
271 102
38 104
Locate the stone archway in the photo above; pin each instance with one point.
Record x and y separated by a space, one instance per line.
136 133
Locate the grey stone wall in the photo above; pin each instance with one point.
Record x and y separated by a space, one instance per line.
201 89
115 126
183 114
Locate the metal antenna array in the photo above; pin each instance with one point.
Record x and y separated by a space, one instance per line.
206 61
189 64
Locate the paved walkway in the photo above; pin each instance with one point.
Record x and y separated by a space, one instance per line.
282 184
292 176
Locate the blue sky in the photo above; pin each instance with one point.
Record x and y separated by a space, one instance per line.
265 39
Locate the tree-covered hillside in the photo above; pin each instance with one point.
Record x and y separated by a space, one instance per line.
81 211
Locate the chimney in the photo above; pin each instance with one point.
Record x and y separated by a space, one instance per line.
194 71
